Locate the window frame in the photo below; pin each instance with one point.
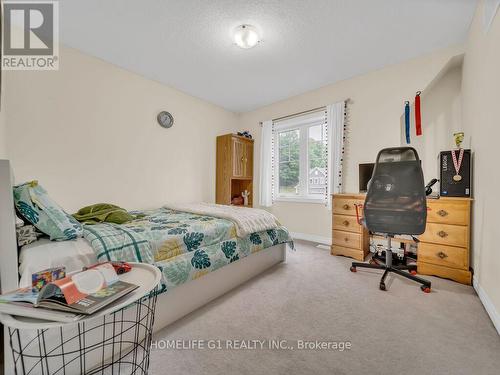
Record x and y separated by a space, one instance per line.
302 125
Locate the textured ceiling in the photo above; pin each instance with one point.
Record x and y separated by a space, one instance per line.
187 44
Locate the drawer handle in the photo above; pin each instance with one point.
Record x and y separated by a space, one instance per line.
346 239
442 234
442 255
345 206
346 223
442 213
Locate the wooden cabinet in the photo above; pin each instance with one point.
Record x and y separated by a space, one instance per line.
242 158
234 172
238 158
348 237
444 248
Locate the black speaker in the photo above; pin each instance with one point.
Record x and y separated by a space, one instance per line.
448 186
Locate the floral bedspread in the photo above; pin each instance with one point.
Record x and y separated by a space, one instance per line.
184 246
194 264
173 233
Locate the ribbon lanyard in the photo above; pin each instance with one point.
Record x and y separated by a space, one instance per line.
407 122
418 115
457 163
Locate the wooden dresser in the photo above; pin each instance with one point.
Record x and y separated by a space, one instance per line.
444 248
348 237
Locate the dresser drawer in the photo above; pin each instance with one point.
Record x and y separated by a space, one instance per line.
346 206
448 212
462 276
453 235
347 223
348 252
442 255
347 239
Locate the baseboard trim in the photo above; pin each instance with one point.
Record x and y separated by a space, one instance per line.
311 238
488 305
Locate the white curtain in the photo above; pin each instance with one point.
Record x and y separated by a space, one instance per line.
335 121
266 165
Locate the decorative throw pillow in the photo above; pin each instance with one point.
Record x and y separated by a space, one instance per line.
26 235
35 205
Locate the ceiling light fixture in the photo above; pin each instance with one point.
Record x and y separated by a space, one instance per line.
246 36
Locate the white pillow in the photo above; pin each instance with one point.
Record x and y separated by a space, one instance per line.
43 254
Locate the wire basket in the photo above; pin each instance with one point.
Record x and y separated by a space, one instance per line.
118 343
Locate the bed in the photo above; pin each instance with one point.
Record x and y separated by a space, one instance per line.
184 246
200 256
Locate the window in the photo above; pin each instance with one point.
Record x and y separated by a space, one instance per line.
300 171
302 156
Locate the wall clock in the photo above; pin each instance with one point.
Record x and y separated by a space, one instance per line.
165 119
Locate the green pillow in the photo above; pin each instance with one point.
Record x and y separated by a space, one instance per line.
35 205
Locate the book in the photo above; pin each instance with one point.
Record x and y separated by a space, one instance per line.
41 278
70 298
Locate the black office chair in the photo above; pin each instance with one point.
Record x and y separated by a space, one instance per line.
396 204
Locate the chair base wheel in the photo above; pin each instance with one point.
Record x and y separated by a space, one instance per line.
406 271
425 289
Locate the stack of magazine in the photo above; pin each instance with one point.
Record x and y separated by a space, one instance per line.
70 298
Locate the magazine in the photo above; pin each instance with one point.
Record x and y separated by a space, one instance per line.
79 294
27 309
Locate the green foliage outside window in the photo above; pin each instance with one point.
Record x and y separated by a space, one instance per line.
289 157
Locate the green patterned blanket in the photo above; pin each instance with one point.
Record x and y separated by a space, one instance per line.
184 246
197 263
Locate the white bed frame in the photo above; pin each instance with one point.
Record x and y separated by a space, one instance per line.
183 299
173 304
9 278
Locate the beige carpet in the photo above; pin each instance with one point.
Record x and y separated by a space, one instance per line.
314 297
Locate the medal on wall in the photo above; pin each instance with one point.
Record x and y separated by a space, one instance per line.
457 160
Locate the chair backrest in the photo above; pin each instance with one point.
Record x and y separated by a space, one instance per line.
396 201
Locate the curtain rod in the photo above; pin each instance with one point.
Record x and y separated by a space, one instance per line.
303 112
299 113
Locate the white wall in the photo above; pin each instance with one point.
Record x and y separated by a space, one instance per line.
481 123
377 101
88 133
441 117
3 127
3 140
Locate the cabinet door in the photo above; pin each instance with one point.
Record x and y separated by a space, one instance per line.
238 158
248 160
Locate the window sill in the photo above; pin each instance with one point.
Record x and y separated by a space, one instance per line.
300 200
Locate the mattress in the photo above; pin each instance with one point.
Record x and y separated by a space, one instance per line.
43 254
